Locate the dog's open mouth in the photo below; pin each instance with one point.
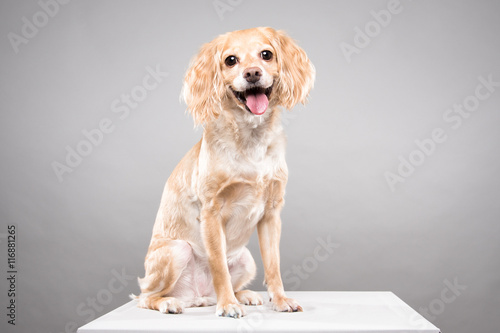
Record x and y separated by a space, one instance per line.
255 99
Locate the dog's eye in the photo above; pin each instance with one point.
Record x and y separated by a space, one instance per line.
231 61
266 55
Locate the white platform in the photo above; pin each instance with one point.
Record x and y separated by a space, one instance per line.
338 312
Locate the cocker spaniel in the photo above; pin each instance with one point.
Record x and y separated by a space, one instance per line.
232 181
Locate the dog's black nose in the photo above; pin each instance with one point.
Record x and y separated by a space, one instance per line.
252 74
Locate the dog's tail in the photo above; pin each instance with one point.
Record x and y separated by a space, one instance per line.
134 297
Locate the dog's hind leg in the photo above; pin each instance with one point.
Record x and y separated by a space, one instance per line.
165 262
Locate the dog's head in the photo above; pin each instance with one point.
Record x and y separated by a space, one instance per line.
249 70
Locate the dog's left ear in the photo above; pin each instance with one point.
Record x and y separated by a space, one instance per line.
296 72
203 87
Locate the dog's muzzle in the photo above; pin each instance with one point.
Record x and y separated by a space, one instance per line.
255 99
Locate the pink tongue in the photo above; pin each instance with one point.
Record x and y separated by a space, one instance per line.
257 103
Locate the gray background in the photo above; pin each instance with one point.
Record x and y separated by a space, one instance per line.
440 226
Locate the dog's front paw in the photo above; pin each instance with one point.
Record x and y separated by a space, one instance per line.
233 310
283 304
249 297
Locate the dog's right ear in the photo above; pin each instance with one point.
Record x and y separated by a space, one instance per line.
203 87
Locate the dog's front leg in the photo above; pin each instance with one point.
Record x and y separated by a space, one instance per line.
269 230
215 244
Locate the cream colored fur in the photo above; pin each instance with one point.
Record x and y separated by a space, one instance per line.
230 183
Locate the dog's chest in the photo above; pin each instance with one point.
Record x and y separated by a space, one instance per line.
242 222
235 173
257 164
258 158
249 172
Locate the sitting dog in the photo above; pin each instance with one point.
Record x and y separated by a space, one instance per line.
232 181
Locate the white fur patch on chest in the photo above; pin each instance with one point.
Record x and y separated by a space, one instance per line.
250 153
242 222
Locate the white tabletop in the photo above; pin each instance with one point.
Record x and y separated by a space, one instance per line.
338 312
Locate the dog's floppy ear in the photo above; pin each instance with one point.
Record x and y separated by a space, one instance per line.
203 87
296 72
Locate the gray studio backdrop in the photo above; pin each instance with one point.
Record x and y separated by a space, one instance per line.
393 164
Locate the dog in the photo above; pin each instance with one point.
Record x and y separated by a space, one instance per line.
232 181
